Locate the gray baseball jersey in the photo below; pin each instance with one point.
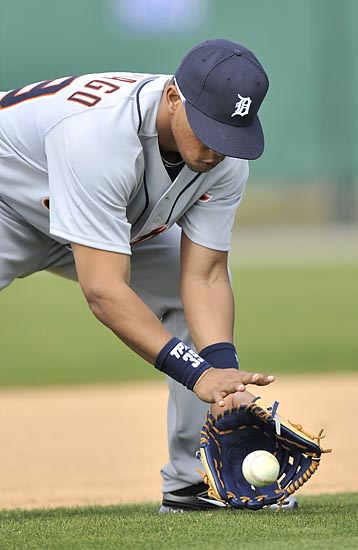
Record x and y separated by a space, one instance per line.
80 161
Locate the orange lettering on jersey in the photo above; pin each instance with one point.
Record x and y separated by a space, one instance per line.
153 233
46 203
89 100
122 79
205 197
100 84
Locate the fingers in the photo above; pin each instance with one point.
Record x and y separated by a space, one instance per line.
256 378
233 388
215 384
231 400
247 378
218 399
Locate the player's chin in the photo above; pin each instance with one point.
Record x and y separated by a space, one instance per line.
202 167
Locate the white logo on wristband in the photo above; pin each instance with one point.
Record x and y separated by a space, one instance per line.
181 351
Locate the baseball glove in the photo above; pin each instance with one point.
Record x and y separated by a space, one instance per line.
230 436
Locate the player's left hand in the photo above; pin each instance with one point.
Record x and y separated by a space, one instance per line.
215 384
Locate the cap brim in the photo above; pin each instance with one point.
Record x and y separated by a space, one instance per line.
245 142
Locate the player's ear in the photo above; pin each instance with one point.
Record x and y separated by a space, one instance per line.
172 97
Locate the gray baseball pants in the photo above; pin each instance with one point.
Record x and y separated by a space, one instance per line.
155 278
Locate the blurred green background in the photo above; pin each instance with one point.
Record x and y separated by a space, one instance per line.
290 318
295 254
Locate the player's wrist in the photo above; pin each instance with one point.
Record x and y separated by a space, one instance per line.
221 355
181 363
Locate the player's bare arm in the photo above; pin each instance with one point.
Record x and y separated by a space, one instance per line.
209 311
206 294
104 278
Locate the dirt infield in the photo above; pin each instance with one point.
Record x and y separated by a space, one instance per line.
86 445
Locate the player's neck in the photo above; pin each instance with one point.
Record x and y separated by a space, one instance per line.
171 158
167 145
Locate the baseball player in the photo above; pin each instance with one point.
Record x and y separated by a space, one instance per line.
129 183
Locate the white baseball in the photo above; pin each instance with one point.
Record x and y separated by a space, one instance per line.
260 468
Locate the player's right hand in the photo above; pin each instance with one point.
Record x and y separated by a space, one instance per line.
215 384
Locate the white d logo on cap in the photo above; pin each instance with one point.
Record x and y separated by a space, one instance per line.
242 107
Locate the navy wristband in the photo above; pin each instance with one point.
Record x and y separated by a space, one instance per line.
180 362
221 355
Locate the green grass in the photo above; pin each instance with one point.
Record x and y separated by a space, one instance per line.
289 319
327 522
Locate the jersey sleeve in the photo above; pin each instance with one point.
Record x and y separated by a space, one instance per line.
209 222
93 171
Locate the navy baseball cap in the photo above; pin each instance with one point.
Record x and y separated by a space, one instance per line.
222 85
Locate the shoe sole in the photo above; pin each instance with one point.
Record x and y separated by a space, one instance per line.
289 504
